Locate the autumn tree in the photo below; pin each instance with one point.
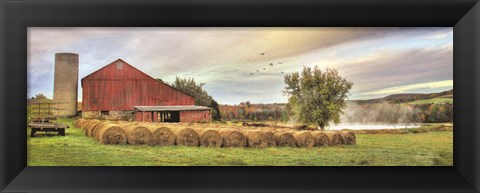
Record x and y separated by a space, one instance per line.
316 96
201 96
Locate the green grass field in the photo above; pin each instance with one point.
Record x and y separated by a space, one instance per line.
421 149
438 100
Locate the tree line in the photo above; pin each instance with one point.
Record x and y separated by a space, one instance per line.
245 111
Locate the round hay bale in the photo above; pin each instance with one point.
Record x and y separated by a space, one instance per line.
321 139
209 138
111 134
81 123
285 139
124 123
94 131
186 137
271 139
348 138
148 125
88 126
304 139
90 131
256 139
161 136
334 138
233 138
78 122
137 135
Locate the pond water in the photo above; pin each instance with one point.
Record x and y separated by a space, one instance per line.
354 126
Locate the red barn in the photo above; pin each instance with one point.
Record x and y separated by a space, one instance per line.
119 91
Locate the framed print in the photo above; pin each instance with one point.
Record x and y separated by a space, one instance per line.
285 96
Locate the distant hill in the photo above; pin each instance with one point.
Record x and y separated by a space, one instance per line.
408 97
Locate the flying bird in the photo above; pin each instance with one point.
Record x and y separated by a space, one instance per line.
258 70
262 54
251 73
279 62
271 64
281 72
264 68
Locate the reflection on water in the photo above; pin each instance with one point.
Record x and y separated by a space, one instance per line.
353 126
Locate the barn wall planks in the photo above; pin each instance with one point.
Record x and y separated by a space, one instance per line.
194 116
119 86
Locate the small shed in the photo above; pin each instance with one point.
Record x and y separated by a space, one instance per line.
183 113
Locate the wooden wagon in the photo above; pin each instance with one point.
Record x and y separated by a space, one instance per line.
44 118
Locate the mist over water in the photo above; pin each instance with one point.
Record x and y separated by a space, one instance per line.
376 116
358 126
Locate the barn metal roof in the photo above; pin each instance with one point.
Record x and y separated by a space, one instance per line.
171 108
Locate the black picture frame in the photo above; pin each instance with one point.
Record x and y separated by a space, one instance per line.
16 16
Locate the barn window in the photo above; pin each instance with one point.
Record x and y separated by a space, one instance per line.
119 66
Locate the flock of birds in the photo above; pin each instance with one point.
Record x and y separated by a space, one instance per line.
271 64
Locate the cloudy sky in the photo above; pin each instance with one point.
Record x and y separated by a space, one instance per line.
379 61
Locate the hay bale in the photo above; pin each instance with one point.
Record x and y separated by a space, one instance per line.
75 123
348 137
186 137
148 125
89 125
304 139
137 135
285 139
78 122
321 139
233 138
256 139
334 138
94 131
81 124
163 136
111 134
271 139
125 123
209 138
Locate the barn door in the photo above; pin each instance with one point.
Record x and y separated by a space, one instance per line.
169 116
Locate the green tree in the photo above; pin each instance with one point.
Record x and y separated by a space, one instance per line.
40 96
316 96
216 115
201 96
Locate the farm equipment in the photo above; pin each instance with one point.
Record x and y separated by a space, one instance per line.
44 118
